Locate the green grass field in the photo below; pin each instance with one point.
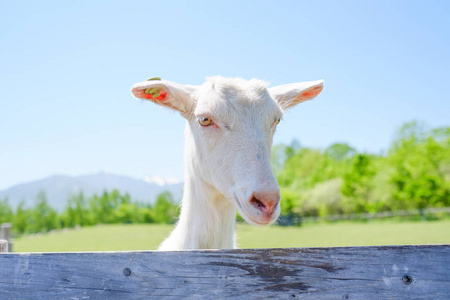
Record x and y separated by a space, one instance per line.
147 237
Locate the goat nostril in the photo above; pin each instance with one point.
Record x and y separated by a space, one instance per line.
257 203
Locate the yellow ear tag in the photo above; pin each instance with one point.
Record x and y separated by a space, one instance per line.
152 91
155 93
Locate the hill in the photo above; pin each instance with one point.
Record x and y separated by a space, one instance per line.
59 187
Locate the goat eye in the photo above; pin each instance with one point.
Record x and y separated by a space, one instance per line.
204 121
278 121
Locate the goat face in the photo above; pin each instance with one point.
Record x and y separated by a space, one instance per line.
231 123
232 127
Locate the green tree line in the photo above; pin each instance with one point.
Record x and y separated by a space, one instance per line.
110 207
413 174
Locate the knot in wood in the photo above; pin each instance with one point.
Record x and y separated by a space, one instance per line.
407 279
127 271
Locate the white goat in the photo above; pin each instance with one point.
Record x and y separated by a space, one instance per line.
229 134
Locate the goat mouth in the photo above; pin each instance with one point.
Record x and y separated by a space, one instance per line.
259 223
245 215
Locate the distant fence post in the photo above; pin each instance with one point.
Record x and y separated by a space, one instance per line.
3 246
6 235
291 219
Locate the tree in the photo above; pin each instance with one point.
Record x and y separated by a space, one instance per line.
43 217
357 184
165 211
421 173
340 151
410 133
21 219
102 209
291 199
282 153
6 213
76 212
128 213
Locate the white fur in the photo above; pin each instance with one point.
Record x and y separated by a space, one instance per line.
228 163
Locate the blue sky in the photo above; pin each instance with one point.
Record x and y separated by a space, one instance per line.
66 68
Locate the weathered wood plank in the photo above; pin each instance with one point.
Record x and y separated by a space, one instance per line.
394 272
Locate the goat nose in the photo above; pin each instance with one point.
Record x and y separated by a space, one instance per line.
266 201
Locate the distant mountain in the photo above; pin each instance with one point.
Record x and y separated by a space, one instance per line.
59 187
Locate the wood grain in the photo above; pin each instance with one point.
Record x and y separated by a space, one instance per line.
394 272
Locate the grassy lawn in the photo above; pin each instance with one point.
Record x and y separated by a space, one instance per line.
147 237
346 234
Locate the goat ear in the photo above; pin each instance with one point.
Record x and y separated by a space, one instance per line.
292 94
166 93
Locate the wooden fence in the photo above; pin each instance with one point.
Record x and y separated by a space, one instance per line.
295 219
384 272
